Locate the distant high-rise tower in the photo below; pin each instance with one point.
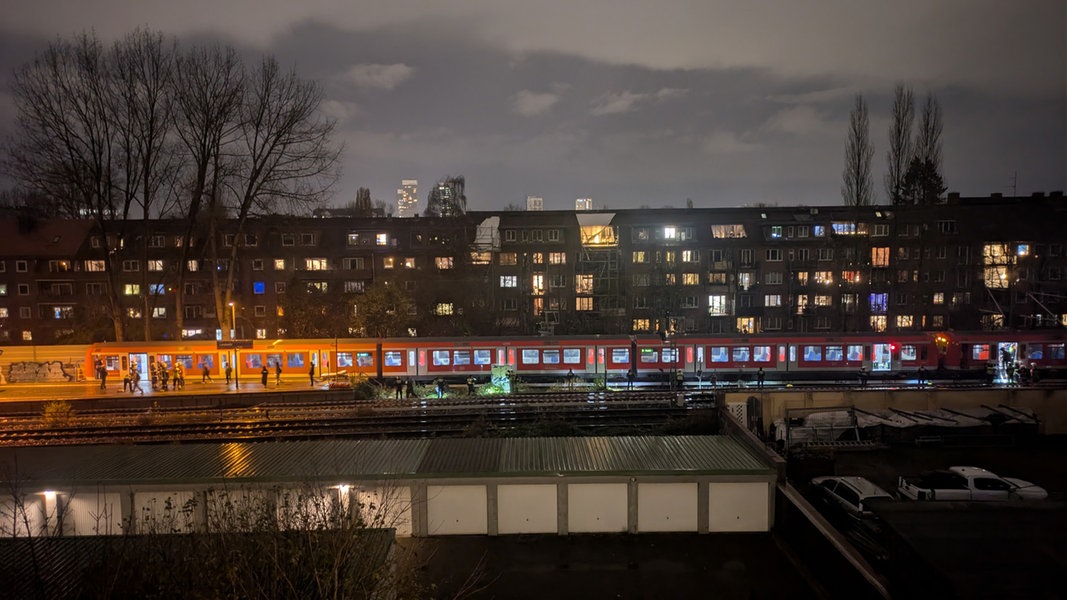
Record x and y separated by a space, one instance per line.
535 203
447 198
583 204
407 198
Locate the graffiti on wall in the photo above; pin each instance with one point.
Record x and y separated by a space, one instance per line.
52 371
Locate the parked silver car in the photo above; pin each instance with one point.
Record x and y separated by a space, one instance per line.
846 496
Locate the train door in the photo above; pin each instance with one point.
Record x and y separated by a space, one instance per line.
882 357
140 361
1007 352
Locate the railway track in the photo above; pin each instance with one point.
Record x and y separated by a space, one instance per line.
344 419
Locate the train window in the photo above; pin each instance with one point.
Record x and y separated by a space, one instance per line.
720 354
572 356
980 352
530 357
441 358
274 359
295 360
461 357
550 357
761 353
1036 352
742 354
113 363
834 353
1055 351
648 355
670 355
207 360
364 359
483 357
812 353
620 355
253 361
344 359
393 358
908 352
855 352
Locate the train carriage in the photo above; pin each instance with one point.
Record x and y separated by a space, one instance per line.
783 357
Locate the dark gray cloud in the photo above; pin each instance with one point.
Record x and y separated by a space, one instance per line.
629 102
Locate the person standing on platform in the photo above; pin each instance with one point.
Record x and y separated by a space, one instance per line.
759 378
311 374
229 373
264 374
278 372
411 388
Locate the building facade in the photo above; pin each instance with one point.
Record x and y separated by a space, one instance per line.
407 198
966 264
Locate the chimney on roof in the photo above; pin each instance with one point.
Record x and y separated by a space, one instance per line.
1055 194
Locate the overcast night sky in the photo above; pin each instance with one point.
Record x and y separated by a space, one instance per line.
630 102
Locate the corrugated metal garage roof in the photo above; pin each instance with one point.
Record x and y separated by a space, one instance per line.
381 459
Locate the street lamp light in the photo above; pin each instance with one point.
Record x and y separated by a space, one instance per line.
233 335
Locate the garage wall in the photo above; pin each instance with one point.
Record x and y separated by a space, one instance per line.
667 507
94 514
457 510
530 508
388 507
739 506
168 511
597 507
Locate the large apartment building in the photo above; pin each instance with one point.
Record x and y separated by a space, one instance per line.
965 264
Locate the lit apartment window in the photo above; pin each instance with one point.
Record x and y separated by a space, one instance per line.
131 289
717 306
443 262
509 281
155 265
381 239
94 266
583 304
557 258
409 262
315 264
279 264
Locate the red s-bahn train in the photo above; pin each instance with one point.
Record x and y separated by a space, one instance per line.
783 357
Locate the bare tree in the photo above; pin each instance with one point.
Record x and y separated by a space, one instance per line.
142 69
208 85
858 187
67 146
899 154
928 138
284 157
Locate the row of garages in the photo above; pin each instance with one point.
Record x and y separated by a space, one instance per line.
702 484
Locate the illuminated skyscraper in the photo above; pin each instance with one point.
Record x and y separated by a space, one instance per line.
535 203
583 204
407 198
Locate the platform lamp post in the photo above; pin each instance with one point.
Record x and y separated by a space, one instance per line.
233 334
